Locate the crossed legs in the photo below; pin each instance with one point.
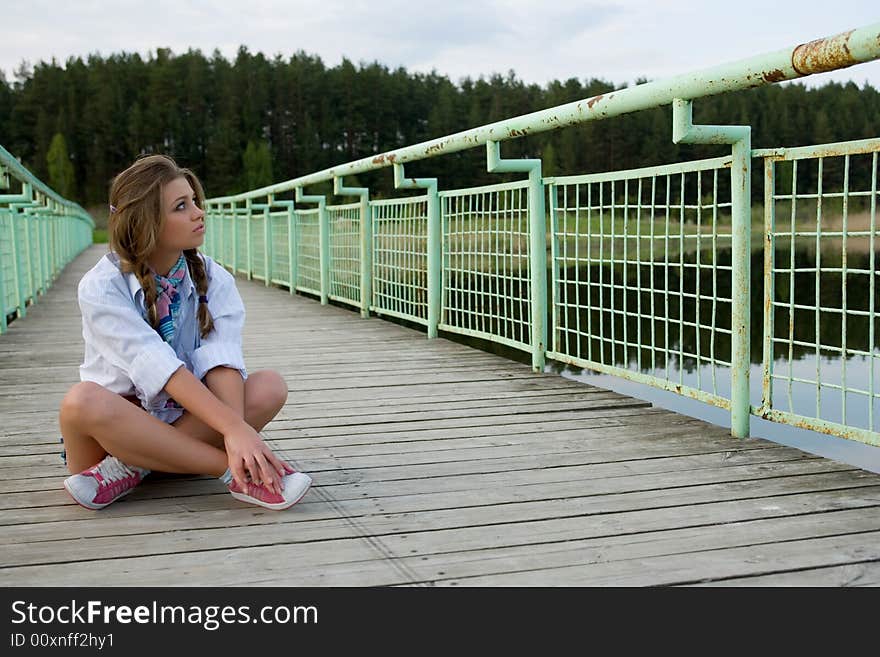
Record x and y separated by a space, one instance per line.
95 422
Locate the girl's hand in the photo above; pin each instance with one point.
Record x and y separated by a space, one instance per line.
251 459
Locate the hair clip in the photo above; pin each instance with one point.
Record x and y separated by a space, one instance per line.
203 299
112 209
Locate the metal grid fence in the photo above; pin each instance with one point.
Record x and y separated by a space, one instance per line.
345 253
641 275
400 258
9 266
820 360
257 245
240 245
308 251
279 236
486 255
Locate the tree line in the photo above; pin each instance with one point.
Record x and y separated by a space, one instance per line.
255 120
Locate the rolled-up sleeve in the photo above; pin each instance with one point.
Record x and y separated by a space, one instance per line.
222 346
115 329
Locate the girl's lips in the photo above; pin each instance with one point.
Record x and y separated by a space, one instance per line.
199 229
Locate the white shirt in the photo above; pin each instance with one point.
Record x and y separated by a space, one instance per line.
127 356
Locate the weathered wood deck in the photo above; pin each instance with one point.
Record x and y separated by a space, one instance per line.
434 464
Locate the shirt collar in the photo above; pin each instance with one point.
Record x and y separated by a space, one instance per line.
134 285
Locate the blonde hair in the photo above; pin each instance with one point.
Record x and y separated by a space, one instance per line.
136 220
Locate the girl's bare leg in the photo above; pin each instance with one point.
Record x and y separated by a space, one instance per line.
95 422
264 394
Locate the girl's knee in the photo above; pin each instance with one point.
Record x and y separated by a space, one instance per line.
82 400
269 391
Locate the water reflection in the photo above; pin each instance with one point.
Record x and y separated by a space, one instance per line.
644 315
672 320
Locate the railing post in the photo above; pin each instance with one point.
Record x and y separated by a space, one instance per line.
53 239
769 283
27 190
207 246
224 235
267 241
291 247
3 298
293 272
434 243
250 242
41 252
323 239
684 131
537 244
20 298
234 238
366 233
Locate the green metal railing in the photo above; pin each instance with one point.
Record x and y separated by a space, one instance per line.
656 237
647 269
40 232
831 215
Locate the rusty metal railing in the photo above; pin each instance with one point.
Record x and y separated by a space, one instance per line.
672 269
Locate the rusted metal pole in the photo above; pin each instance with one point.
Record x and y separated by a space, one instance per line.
827 54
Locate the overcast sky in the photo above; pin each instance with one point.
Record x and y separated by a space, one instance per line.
616 40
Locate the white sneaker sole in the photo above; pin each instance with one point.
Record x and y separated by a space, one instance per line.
93 507
302 483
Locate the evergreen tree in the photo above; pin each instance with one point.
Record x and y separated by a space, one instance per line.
257 165
60 169
268 120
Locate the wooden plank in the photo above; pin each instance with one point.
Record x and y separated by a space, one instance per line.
696 567
356 504
329 563
548 470
860 574
616 514
434 464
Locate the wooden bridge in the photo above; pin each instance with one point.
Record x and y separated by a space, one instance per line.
434 464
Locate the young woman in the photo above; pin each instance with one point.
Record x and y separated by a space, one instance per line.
163 382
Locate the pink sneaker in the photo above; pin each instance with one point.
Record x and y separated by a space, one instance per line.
293 487
104 483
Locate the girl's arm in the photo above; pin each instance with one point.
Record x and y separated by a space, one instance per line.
248 453
228 386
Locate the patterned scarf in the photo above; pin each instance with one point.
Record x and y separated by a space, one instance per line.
168 302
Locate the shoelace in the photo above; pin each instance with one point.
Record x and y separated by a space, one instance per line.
112 469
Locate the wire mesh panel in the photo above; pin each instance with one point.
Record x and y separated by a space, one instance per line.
209 246
258 245
308 251
345 253
279 235
821 353
642 275
486 287
400 258
228 228
241 241
7 264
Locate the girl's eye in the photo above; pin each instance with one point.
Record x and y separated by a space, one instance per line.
182 204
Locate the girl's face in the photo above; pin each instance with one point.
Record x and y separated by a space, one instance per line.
184 221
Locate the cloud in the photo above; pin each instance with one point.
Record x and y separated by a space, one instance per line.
617 40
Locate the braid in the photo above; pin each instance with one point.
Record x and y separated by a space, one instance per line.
151 294
200 278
